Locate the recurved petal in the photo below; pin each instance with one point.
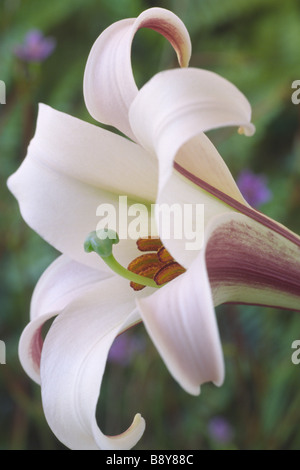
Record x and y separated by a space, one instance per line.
109 86
174 108
73 362
70 170
62 282
250 263
92 155
169 116
181 321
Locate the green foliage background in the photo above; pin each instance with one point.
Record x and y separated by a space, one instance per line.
255 45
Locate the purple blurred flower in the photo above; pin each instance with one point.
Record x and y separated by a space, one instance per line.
36 47
254 188
124 348
220 429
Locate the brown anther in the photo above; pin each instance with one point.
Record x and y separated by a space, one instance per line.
168 272
164 256
158 265
149 244
139 264
147 272
145 265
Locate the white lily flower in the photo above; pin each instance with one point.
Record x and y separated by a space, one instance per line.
71 167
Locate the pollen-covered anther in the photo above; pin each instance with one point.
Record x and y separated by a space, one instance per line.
147 272
145 265
164 256
149 244
158 265
168 272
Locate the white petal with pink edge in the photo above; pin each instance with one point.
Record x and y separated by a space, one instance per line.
62 282
73 362
250 263
109 86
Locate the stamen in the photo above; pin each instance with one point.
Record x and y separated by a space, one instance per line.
151 269
149 244
148 272
159 266
145 265
164 256
168 272
139 264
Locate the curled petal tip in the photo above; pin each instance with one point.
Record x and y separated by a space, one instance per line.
109 85
138 420
129 438
172 28
247 130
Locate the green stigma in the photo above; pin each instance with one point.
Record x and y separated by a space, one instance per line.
101 242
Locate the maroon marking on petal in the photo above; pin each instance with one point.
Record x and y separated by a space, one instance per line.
252 213
240 254
167 30
36 347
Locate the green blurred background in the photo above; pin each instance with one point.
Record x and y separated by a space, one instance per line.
256 45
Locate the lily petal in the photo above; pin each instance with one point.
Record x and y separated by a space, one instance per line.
70 169
241 261
165 117
62 282
250 263
215 202
174 119
109 86
181 321
179 194
73 362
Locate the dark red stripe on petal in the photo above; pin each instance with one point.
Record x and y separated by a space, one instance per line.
244 254
252 213
169 31
36 347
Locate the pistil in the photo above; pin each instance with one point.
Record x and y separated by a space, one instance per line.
101 242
